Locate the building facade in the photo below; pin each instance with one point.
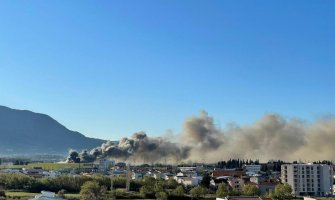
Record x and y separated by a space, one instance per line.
251 170
308 179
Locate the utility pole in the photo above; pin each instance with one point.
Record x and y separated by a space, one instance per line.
128 178
79 165
112 174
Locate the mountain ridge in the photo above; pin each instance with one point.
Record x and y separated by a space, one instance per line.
28 132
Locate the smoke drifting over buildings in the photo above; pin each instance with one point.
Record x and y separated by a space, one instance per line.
271 137
138 148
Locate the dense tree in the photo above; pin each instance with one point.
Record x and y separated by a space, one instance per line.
234 192
270 194
327 162
236 163
206 180
179 191
149 181
250 190
172 184
283 192
119 182
198 191
222 190
91 190
159 186
2 194
161 195
69 183
135 185
149 187
147 191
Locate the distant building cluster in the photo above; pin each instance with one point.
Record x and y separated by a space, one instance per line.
309 180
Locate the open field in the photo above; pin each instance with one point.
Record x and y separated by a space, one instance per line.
15 194
49 166
20 194
72 195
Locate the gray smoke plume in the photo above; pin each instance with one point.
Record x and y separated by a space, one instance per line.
140 148
271 137
202 133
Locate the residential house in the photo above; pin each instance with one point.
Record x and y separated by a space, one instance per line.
236 183
188 179
137 175
46 196
265 186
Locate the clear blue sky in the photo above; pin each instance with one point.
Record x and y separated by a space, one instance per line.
110 68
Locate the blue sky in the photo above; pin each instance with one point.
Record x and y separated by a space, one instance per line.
111 68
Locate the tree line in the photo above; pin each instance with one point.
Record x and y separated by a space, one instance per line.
236 163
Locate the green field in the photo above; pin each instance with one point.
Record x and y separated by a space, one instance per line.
49 166
21 194
12 194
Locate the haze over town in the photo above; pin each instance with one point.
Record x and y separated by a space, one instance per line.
192 99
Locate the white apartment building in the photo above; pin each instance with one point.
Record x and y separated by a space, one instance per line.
308 179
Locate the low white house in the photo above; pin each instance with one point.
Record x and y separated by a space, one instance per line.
137 176
188 179
167 176
46 196
157 175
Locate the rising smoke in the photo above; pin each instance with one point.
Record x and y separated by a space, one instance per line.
138 148
271 137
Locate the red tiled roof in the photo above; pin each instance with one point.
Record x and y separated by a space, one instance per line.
244 198
219 172
269 182
247 198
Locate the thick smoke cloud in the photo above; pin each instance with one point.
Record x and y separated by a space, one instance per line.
138 148
271 137
201 133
